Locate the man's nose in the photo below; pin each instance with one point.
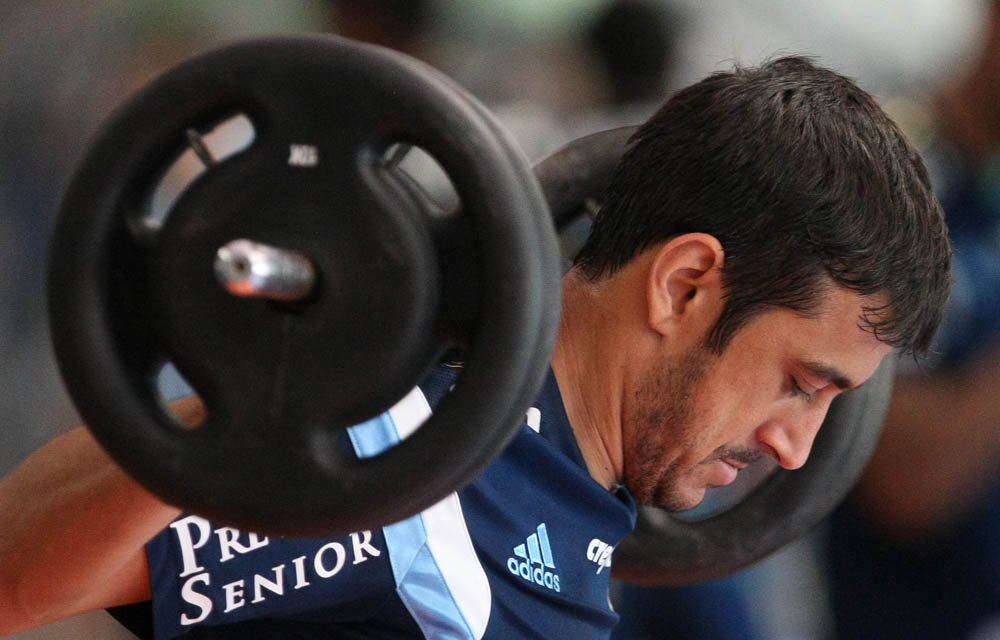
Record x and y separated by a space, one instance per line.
789 438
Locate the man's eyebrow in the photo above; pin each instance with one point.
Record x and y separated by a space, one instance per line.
831 373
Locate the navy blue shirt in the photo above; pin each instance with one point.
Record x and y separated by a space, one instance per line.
522 552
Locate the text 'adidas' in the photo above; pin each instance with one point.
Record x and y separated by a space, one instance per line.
533 560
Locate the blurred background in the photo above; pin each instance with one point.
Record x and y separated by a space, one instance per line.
552 70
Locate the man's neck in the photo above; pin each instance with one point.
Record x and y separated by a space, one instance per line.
589 371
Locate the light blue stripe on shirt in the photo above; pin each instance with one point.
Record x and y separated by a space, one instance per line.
446 593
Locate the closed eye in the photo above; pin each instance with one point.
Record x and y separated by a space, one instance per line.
797 390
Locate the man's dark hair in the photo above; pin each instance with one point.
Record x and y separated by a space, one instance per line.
801 176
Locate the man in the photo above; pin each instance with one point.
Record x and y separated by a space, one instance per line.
768 238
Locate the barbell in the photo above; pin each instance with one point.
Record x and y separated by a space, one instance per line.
301 283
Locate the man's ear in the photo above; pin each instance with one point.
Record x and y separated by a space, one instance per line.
685 281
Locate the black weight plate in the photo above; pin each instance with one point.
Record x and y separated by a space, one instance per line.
281 382
667 549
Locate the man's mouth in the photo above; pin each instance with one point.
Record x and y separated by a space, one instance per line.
732 460
735 463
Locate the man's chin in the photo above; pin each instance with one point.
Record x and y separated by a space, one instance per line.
677 502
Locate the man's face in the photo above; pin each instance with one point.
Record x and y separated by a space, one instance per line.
695 420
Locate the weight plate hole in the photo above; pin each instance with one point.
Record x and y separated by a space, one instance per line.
422 170
172 387
229 137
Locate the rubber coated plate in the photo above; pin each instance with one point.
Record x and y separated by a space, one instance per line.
282 382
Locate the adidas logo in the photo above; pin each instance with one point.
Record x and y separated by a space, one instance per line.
532 560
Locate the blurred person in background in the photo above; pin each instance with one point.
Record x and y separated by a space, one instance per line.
402 25
633 42
915 552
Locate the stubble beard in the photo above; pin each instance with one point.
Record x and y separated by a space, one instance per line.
665 407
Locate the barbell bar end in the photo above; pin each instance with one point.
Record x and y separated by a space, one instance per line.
249 269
